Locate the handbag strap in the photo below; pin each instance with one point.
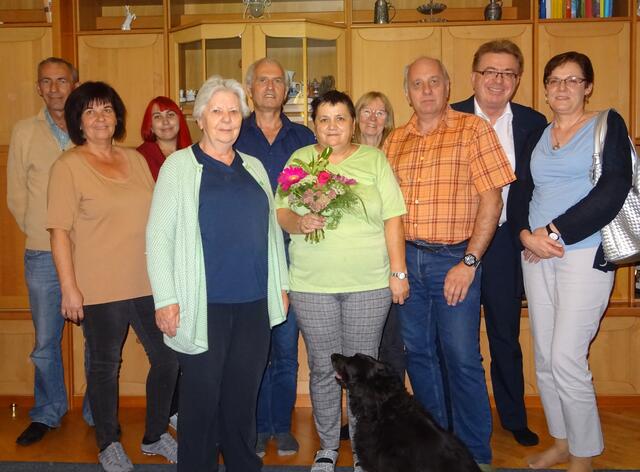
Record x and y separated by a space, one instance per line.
599 135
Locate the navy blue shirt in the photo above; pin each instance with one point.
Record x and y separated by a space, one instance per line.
291 137
234 224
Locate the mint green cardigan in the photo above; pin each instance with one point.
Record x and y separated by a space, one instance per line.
175 259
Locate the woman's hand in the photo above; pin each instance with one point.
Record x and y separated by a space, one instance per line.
168 319
285 301
71 307
540 245
399 290
309 223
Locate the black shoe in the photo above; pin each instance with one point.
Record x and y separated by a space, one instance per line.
34 433
525 437
344 432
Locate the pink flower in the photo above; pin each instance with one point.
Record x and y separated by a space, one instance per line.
291 175
323 178
345 180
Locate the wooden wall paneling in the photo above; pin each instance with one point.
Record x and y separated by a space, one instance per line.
623 289
21 50
131 63
379 55
16 344
459 43
608 46
13 291
614 356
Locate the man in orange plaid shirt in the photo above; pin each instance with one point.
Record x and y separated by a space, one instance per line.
451 168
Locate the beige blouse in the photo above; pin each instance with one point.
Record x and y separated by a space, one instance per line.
106 219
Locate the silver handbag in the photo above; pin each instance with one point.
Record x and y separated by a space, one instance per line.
621 237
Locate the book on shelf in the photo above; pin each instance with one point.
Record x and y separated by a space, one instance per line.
557 9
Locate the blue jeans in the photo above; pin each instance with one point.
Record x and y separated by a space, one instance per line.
426 319
50 394
277 395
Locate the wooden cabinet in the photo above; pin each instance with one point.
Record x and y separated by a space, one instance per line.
176 44
379 55
21 49
132 63
308 50
608 46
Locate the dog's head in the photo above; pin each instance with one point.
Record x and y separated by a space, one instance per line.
369 381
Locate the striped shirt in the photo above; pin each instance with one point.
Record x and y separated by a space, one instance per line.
441 174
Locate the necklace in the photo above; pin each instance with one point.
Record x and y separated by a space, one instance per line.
556 144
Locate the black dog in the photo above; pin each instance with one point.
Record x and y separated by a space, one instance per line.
394 433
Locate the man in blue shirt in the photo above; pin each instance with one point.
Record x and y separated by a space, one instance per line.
271 137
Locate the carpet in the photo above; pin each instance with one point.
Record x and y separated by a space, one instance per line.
68 467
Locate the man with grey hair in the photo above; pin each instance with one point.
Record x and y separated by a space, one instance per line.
495 76
451 168
36 143
271 137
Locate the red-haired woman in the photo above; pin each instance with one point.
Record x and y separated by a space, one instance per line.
164 131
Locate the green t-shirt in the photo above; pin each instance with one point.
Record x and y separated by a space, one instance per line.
353 257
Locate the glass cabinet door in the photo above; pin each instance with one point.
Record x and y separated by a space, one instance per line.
224 58
289 52
310 54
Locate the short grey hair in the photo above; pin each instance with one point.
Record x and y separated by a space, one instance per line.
60 62
405 82
251 72
213 85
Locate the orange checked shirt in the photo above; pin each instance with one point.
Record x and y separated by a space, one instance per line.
442 173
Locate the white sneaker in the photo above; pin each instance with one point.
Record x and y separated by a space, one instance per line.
325 461
114 459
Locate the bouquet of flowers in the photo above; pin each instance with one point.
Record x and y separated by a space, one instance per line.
310 185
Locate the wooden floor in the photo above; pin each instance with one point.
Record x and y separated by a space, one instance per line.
74 441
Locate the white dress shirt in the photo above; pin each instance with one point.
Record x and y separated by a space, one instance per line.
504 130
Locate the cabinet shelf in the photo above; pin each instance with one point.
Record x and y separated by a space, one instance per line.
23 16
97 15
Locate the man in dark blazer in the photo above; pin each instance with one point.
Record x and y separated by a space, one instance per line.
496 71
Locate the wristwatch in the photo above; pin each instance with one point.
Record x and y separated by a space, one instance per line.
551 233
470 260
400 275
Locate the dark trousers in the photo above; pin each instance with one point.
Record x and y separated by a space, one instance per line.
219 390
501 299
105 328
391 344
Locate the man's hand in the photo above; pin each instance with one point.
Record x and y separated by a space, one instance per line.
457 283
168 319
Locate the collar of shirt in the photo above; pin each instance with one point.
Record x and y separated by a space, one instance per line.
507 114
62 137
286 125
445 121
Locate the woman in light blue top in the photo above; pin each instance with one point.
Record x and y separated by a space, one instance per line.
557 214
215 257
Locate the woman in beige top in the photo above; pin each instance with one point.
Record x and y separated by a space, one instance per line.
98 204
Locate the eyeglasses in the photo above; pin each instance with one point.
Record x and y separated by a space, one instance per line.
494 74
379 114
571 82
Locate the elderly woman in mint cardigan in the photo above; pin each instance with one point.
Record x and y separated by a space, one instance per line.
218 272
